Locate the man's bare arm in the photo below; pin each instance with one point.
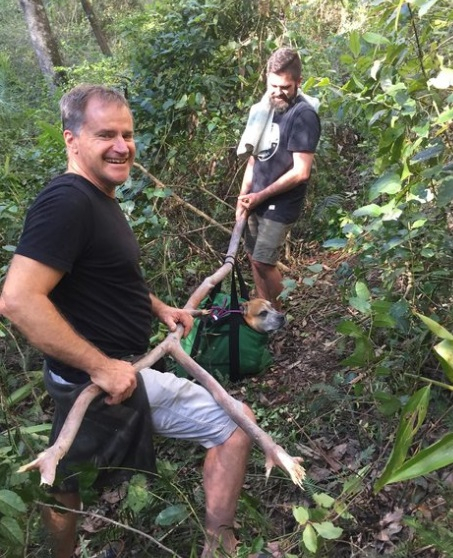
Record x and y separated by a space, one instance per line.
25 302
299 173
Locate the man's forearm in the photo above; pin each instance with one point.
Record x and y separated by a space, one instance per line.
47 330
247 180
285 183
158 307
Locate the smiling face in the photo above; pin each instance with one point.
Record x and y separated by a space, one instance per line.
103 151
282 89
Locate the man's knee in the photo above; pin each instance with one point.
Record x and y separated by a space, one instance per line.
241 434
261 267
248 411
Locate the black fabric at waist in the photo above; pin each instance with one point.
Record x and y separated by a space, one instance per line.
75 375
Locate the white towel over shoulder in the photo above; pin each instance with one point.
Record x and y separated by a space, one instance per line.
257 133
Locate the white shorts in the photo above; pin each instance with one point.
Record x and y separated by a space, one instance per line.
182 409
185 410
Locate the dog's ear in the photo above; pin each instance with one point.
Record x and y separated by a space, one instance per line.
244 308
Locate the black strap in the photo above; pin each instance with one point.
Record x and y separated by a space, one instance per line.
234 323
242 286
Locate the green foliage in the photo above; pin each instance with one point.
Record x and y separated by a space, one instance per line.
397 86
438 454
315 524
434 534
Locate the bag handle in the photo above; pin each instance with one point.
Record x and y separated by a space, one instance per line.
243 290
234 325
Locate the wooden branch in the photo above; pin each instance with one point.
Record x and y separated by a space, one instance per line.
275 455
182 201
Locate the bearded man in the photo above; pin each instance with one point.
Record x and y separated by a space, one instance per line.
276 177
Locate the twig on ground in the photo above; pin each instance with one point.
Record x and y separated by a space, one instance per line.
112 522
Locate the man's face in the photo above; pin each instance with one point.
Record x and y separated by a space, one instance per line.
282 89
104 150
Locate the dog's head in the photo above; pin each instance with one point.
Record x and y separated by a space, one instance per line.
259 314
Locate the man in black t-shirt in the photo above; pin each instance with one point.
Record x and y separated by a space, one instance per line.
276 177
75 290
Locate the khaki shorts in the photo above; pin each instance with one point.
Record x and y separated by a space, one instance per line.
264 238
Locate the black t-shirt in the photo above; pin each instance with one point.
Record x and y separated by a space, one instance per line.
295 131
74 227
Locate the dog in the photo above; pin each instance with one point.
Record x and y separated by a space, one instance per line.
259 314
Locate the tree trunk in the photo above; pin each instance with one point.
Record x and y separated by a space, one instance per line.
44 43
96 27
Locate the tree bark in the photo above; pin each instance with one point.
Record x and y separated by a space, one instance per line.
42 39
96 27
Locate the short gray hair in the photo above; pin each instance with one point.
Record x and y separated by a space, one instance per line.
73 104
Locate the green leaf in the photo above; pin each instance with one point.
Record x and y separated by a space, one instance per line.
423 6
327 530
310 539
172 515
428 153
341 509
445 192
375 39
138 495
444 350
412 417
315 268
12 531
335 243
347 327
301 515
362 290
377 116
390 183
435 327
390 212
430 459
354 43
11 503
182 102
323 500
362 354
36 428
355 484
360 304
20 394
445 116
388 404
371 210
381 313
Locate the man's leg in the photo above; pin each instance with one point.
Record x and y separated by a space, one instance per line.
185 410
223 475
62 525
268 281
264 239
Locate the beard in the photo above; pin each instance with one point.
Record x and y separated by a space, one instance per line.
281 103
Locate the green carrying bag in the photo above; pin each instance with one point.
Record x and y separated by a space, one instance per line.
221 342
